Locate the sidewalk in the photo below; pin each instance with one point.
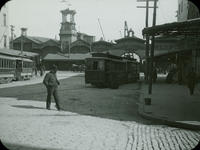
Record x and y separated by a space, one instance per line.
171 104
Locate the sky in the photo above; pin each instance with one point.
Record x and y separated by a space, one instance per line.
43 17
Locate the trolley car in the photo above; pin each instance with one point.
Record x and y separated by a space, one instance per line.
15 68
105 70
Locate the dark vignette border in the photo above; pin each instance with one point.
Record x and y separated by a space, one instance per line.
196 3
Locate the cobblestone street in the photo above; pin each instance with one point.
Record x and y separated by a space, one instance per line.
37 128
160 137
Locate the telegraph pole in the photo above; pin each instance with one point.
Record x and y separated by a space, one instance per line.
152 48
147 37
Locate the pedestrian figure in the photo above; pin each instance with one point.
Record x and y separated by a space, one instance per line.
191 79
51 82
154 75
35 71
41 70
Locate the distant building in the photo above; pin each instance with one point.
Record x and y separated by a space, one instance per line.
187 10
4 27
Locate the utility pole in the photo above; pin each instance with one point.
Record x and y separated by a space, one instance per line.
147 37
12 35
152 48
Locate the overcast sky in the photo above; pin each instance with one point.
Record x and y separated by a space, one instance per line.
43 17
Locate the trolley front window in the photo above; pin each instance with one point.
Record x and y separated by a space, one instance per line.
98 65
95 65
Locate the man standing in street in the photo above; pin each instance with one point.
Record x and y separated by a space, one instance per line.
191 80
51 82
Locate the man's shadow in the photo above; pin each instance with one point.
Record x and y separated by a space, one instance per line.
27 106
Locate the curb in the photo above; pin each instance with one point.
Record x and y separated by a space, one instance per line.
171 123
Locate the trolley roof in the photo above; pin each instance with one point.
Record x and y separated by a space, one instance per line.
14 58
12 52
106 56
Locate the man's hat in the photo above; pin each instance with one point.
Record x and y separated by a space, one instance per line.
54 67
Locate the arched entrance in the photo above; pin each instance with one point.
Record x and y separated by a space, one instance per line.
132 45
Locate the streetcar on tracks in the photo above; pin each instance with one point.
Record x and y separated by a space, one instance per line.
15 68
105 70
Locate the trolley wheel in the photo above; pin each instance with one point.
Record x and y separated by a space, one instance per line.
114 85
100 85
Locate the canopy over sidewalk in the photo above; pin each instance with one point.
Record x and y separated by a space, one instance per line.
189 27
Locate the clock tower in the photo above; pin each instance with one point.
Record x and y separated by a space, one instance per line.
68 33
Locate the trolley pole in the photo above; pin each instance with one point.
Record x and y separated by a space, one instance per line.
152 48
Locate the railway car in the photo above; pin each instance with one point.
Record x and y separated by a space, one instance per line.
105 70
15 68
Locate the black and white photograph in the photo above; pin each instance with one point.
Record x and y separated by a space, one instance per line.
100 75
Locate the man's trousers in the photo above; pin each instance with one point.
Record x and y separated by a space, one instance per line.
52 91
